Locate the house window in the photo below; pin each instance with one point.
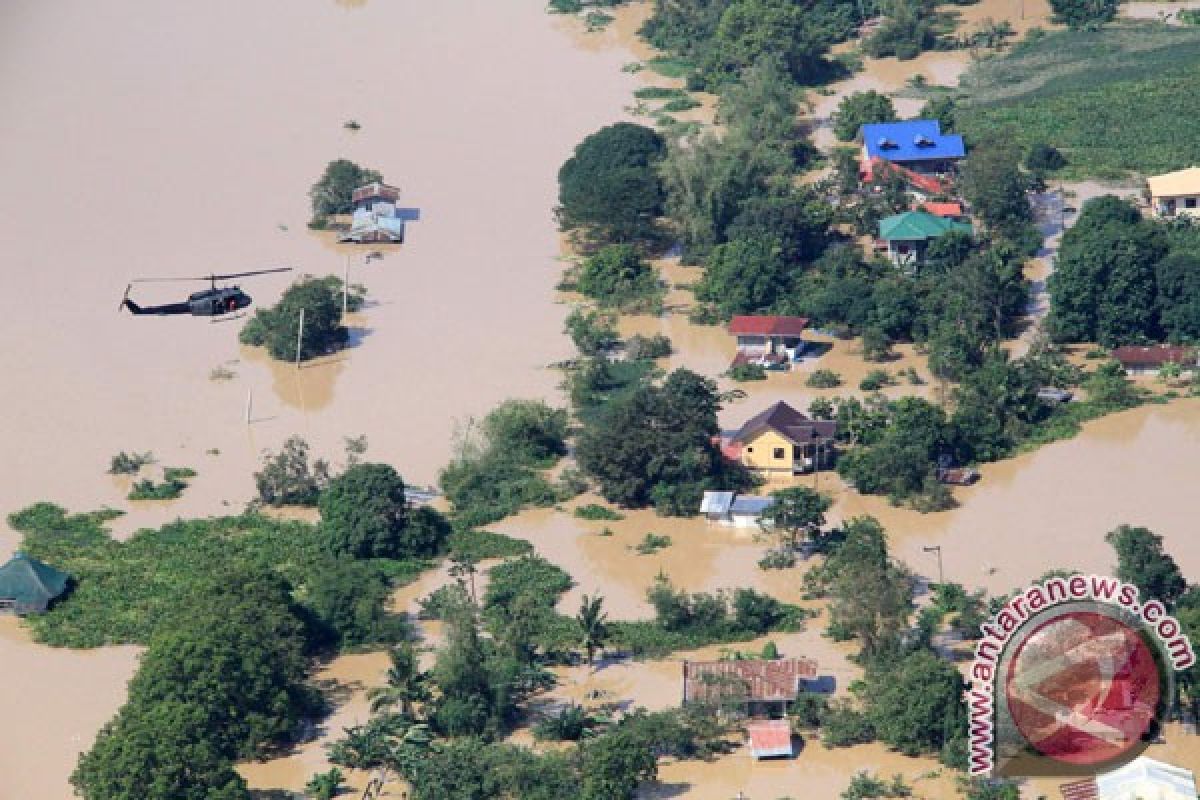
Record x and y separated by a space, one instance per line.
1189 202
778 452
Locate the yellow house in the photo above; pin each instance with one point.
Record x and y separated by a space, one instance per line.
782 441
1176 193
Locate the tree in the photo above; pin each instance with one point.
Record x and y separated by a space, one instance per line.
794 510
593 332
750 29
613 766
1142 562
278 327
593 624
858 109
797 220
654 445
943 108
916 705
287 479
1103 287
1178 282
617 276
992 183
907 31
405 686
1084 14
1044 158
332 193
610 185
364 514
157 753
744 275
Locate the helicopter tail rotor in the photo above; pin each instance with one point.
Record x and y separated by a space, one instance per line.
125 298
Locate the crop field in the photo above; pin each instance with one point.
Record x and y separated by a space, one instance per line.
1116 102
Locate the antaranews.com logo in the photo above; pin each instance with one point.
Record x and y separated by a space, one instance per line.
1071 675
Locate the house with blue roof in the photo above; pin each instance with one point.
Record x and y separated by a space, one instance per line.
916 144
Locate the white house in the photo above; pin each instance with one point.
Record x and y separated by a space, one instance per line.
1176 193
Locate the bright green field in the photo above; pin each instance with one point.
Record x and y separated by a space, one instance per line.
1125 99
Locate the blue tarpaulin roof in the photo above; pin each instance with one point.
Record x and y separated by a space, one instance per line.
911 140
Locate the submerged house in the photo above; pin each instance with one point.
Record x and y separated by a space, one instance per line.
770 738
29 586
734 510
755 687
782 441
916 144
908 235
1176 193
1148 360
376 217
1141 779
771 341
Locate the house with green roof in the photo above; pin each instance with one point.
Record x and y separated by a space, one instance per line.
908 234
28 586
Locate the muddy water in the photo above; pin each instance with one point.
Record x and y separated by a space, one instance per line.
154 141
1051 508
53 701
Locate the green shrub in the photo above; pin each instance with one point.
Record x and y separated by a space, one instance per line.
647 347
175 480
875 380
823 379
594 511
748 372
651 543
129 463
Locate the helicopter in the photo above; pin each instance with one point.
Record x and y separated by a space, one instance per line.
212 302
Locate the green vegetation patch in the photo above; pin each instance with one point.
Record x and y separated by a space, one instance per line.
1111 100
175 480
124 590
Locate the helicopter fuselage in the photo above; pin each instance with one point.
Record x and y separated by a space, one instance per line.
215 302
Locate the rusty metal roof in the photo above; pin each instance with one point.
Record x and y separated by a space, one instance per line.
759 680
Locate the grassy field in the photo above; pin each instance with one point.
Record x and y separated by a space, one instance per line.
1118 101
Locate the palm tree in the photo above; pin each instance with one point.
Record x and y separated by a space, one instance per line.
593 624
405 683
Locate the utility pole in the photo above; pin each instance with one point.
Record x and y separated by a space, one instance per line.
346 285
937 548
249 403
299 338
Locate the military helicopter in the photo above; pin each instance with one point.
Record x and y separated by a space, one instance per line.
212 302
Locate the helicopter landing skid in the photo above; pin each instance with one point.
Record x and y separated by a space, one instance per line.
227 318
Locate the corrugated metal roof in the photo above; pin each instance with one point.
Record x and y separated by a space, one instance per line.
911 140
764 325
751 504
788 422
770 738
31 582
767 680
918 226
1154 355
716 502
1175 184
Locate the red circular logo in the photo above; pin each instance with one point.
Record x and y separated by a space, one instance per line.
1083 688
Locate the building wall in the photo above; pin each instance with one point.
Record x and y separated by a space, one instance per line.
1181 206
760 452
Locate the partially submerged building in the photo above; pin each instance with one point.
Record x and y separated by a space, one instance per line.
735 510
1176 193
29 586
908 235
1149 359
770 341
782 441
377 217
755 687
770 738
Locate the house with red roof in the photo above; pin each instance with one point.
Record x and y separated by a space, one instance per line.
770 341
1149 359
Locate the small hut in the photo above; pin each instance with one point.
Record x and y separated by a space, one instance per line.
28 586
